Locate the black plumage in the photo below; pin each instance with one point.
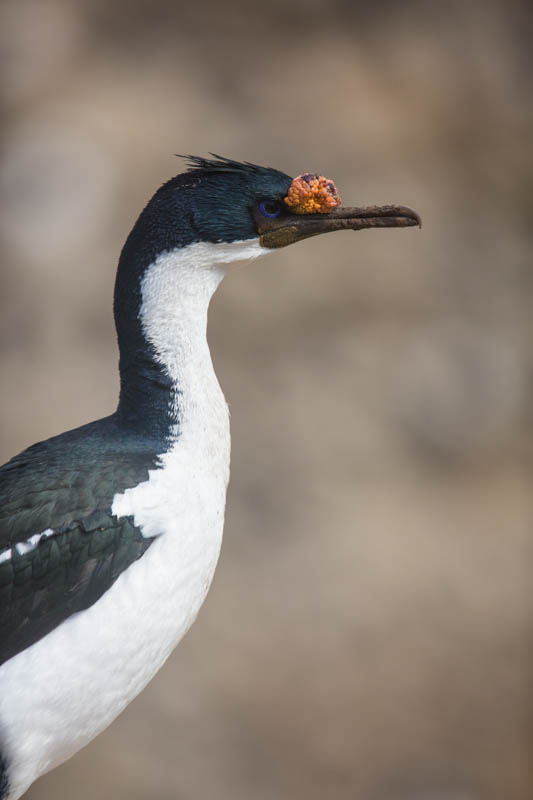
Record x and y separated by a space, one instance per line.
66 484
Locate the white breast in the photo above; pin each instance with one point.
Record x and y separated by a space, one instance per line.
58 694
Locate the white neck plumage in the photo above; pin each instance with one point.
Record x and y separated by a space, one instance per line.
176 291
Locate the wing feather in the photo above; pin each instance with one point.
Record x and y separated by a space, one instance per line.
64 488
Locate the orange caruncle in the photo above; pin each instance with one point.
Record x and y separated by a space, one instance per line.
312 194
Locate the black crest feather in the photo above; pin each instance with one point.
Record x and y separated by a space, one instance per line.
221 164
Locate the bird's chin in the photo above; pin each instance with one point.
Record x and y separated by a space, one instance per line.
291 228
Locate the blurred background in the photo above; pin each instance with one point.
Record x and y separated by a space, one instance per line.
368 632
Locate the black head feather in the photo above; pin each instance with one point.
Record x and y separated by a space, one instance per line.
222 164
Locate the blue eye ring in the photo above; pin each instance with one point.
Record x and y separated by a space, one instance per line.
270 208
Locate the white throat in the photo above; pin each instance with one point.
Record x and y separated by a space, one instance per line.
176 291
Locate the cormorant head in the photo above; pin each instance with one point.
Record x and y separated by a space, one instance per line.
223 201
217 213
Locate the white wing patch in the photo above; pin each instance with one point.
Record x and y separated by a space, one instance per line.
26 546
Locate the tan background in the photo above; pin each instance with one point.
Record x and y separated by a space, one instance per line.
368 633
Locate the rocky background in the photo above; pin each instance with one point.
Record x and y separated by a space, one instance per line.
368 633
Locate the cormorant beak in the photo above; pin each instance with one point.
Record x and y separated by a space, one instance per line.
290 228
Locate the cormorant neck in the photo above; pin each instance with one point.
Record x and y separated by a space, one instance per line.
161 323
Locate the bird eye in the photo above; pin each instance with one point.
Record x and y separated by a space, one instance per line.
269 208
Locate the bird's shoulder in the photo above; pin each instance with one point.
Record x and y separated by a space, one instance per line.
70 478
61 547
